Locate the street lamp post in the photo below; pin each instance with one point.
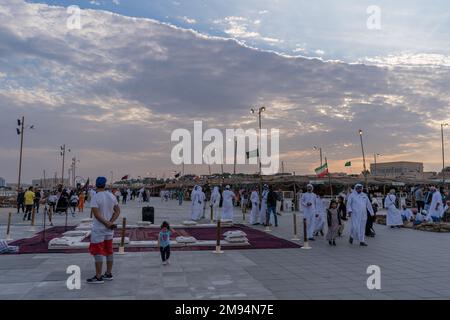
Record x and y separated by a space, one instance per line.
20 131
259 111
375 155
74 166
443 151
320 154
364 157
63 154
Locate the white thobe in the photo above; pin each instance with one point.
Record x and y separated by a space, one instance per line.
319 220
309 212
357 205
254 198
393 216
197 206
215 201
263 209
227 205
203 200
436 208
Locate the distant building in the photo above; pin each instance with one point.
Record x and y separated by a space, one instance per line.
2 183
397 169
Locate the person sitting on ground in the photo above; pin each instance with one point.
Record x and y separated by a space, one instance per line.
407 214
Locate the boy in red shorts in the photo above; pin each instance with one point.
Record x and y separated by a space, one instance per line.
105 210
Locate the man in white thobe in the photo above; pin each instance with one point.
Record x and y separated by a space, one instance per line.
254 199
197 204
436 208
308 207
214 203
357 206
227 205
263 209
393 216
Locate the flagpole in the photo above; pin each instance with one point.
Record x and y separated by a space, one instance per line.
329 178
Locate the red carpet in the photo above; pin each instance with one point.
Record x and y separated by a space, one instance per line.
257 239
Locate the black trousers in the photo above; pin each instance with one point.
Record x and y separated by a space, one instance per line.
165 253
29 209
369 224
420 205
19 206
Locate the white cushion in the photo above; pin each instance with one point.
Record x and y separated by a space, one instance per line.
65 242
189 223
186 240
236 240
235 234
119 239
76 233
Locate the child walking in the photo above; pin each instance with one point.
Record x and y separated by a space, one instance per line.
334 223
164 242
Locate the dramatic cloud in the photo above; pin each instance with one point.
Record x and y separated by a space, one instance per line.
114 91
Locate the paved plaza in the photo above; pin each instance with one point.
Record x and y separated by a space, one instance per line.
414 265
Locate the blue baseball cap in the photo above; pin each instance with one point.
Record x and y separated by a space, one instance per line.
100 182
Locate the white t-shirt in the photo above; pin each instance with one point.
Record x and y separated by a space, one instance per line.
105 203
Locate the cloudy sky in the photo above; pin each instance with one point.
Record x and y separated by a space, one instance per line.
114 90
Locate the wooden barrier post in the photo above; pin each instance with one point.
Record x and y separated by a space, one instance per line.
295 238
267 229
65 224
122 240
8 229
212 215
305 237
45 218
218 249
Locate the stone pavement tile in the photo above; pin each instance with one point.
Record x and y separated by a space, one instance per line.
16 288
402 295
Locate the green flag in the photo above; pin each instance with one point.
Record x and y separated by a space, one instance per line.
348 164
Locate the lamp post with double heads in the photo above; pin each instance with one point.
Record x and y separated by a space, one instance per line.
375 155
259 111
73 170
443 151
364 157
320 154
63 154
20 131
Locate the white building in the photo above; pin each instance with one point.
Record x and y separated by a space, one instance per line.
2 183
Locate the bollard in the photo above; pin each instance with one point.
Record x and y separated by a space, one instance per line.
65 224
267 229
295 238
243 216
8 229
218 249
33 214
91 214
45 217
122 240
212 215
305 237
